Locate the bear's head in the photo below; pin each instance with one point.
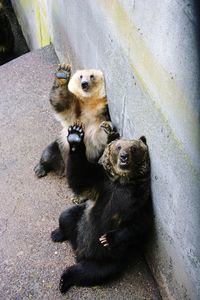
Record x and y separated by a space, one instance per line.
86 84
126 159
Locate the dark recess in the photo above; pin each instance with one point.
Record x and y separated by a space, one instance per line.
19 46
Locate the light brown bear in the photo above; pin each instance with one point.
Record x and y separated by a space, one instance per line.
81 98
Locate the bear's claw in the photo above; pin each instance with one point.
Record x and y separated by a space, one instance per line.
110 131
106 126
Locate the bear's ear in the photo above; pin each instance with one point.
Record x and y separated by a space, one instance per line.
143 139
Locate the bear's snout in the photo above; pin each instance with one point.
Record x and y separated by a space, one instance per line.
123 157
85 85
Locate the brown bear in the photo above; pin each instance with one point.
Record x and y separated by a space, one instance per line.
104 230
81 97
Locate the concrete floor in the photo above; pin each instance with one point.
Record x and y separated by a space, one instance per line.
30 264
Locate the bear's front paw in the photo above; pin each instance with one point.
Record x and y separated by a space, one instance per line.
108 240
106 126
110 131
75 136
63 72
78 199
65 281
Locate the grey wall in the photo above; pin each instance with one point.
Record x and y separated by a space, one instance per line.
148 51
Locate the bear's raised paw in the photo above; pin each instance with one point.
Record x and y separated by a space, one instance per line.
64 71
109 130
75 136
106 126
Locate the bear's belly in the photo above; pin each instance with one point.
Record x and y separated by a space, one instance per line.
89 231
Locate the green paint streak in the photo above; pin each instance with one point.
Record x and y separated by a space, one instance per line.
154 79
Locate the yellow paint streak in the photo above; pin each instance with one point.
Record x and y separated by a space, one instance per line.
42 23
38 8
45 36
154 79
37 21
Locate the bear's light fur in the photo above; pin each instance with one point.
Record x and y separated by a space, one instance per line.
80 98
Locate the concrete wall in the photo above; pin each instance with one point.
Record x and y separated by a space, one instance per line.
33 18
149 53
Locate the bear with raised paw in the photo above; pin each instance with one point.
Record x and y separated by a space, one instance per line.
80 97
105 230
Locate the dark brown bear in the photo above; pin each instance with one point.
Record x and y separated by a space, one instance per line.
104 231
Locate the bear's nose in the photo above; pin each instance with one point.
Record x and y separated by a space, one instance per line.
124 157
85 85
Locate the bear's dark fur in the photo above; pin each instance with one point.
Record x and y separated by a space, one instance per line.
105 230
6 36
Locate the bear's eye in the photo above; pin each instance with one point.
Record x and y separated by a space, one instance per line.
92 77
119 147
81 76
134 149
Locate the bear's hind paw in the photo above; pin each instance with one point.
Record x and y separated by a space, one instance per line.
57 236
40 170
65 282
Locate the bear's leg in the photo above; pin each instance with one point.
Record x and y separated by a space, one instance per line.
89 273
68 221
60 97
82 175
51 159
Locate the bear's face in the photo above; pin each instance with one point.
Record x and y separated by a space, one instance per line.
126 158
87 84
